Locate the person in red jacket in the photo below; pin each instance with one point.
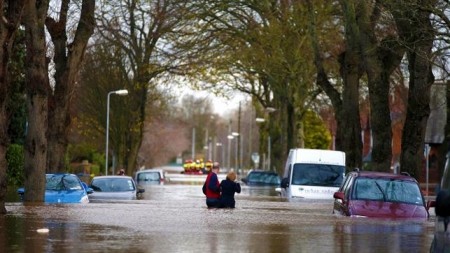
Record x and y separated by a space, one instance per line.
211 187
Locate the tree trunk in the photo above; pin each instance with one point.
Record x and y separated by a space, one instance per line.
350 122
416 32
417 114
380 122
291 137
12 16
68 58
380 60
37 86
348 133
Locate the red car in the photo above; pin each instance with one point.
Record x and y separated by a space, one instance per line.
380 195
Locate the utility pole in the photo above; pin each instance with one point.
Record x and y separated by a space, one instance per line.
238 143
229 145
193 143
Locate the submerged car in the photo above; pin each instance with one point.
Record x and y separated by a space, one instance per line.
262 178
312 174
380 195
150 177
114 187
63 188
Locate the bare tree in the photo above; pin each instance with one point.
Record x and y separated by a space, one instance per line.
373 41
142 32
416 33
47 131
38 89
261 48
68 55
345 103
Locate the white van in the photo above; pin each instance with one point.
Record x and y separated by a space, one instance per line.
312 173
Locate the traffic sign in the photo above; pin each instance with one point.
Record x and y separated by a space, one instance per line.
255 158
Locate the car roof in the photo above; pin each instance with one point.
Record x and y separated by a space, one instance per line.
150 170
383 175
49 174
263 171
61 174
112 176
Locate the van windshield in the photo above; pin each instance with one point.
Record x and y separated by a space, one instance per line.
318 175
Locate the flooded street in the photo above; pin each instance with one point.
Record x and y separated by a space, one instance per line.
174 218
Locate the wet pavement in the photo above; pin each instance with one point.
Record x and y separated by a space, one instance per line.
174 218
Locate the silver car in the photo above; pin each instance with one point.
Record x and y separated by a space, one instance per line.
114 187
150 177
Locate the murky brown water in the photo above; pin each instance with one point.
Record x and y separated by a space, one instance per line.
174 218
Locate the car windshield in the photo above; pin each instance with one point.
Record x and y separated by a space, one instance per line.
148 176
62 182
263 178
112 185
387 190
318 175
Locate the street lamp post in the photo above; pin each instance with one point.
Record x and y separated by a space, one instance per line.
215 158
269 145
230 137
236 153
118 92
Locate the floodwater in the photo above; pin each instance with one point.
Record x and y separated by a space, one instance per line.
174 218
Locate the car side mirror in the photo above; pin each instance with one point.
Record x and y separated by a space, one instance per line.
339 195
244 180
89 190
284 182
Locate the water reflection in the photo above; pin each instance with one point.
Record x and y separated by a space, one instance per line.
174 218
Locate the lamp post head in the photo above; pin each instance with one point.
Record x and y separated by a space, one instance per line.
260 120
121 92
235 133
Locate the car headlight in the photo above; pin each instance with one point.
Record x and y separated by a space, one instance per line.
84 199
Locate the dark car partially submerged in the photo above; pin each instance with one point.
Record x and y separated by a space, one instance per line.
261 178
